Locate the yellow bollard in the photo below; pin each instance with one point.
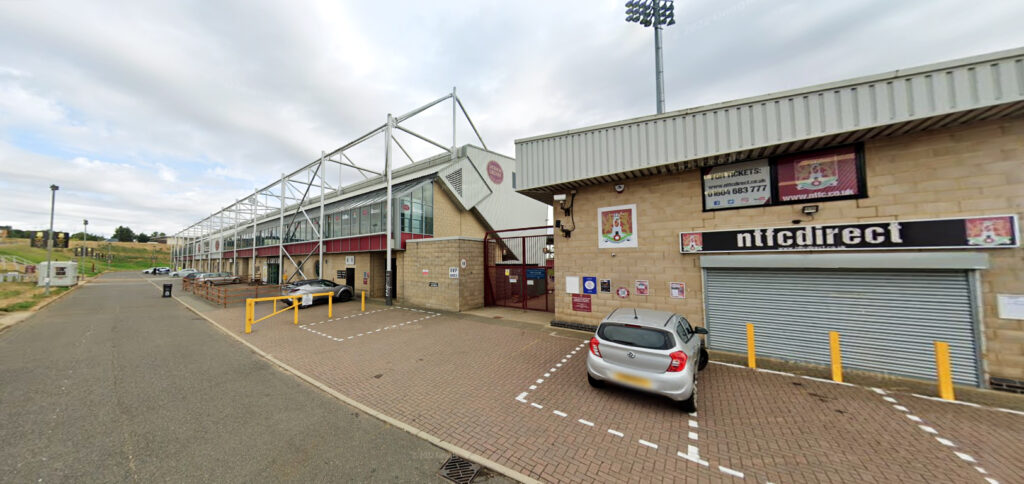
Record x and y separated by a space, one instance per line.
330 306
248 316
363 309
837 356
945 370
751 359
296 305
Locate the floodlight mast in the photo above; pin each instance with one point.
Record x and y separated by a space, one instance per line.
656 13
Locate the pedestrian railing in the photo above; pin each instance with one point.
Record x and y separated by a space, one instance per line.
250 307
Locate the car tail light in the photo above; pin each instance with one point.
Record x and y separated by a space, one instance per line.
678 361
594 347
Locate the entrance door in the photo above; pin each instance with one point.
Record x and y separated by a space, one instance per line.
394 279
273 271
350 277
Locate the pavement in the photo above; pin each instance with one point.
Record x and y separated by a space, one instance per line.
513 396
113 383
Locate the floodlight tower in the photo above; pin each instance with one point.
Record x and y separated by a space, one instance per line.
654 13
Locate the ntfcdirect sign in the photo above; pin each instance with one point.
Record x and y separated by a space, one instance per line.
993 231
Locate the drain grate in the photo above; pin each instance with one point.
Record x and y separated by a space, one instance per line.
459 470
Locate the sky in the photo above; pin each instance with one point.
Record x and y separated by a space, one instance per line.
153 115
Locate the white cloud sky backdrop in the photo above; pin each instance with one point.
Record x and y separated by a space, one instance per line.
156 114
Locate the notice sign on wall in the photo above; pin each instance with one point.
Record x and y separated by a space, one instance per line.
677 290
746 184
581 302
995 231
826 174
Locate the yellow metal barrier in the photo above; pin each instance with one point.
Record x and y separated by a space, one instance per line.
363 308
837 356
945 370
250 308
751 359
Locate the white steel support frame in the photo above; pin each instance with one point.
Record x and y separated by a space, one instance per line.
290 196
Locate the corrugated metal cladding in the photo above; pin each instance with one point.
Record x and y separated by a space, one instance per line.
869 106
887 320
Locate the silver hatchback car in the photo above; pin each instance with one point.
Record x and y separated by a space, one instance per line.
653 351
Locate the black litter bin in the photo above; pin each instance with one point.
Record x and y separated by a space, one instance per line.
167 290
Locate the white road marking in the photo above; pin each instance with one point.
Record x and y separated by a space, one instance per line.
879 391
928 429
540 380
615 433
991 480
693 424
547 375
728 364
649 444
981 470
692 436
533 387
522 397
965 457
731 472
586 422
915 418
900 408
889 399
693 459
560 414
945 442
536 405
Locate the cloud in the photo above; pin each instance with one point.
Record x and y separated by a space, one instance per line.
173 110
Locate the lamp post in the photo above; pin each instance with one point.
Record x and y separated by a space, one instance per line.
654 13
81 258
49 239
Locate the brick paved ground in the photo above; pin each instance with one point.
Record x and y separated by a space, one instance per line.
468 382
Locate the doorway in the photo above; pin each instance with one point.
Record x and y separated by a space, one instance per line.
350 277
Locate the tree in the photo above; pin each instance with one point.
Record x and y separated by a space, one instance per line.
142 237
123 234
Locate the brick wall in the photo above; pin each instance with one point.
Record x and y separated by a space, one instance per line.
435 257
452 221
963 171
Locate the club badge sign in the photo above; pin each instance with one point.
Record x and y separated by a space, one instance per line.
990 231
616 227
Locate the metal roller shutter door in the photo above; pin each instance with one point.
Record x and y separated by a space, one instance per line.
887 320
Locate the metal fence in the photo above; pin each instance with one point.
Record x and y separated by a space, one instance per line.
520 268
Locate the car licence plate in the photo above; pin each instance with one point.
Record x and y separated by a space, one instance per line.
632 380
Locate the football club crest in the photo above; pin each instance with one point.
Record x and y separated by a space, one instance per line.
815 174
989 231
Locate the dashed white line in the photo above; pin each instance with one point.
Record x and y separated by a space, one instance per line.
693 424
928 429
731 472
945 442
560 413
692 436
586 422
965 457
900 408
522 397
649 444
915 418
615 433
536 405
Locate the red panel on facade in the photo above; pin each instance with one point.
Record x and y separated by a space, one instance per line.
407 236
266 251
245 253
300 248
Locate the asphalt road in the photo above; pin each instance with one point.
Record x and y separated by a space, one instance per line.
113 383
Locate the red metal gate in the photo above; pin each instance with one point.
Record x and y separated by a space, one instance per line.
520 268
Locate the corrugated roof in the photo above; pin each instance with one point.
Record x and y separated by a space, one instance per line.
938 95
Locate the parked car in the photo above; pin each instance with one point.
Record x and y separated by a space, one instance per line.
216 278
183 272
652 351
192 276
162 270
316 286
153 270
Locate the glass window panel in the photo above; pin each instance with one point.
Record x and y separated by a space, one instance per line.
364 220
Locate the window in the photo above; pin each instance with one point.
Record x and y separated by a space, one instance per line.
640 337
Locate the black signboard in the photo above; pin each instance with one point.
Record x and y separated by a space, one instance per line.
60 239
983 232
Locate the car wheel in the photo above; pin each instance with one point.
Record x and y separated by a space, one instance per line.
594 382
704 358
690 404
346 296
235 280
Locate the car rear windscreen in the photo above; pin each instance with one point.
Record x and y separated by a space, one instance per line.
635 336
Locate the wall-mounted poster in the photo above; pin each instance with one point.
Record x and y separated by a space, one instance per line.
820 175
606 285
677 290
616 227
746 184
642 288
589 285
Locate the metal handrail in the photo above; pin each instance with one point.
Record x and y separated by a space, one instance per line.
250 308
